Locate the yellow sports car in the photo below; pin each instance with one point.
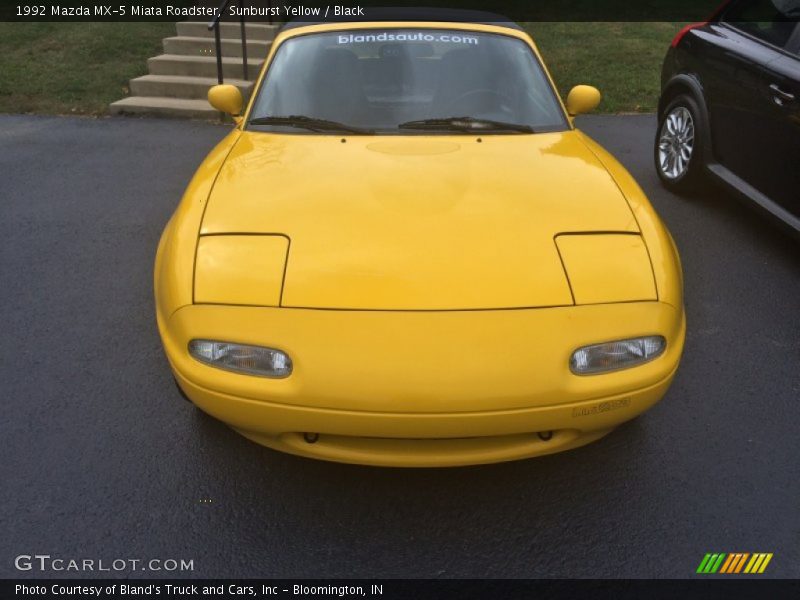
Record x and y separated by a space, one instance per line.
405 253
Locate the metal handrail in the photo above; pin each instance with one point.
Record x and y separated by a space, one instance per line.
214 24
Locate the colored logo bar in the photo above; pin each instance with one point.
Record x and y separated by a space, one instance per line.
737 562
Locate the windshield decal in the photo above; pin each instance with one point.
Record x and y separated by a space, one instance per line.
445 38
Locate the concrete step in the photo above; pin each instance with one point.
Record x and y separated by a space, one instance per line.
164 107
198 46
176 86
202 66
228 29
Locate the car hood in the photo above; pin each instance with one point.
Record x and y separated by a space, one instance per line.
417 222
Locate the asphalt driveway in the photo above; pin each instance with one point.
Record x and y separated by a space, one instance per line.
102 459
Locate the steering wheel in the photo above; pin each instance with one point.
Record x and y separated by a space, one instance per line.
500 100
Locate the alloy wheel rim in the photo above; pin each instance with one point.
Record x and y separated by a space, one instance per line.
676 143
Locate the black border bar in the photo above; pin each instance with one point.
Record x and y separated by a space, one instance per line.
515 10
712 587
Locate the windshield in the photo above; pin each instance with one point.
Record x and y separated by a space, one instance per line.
390 80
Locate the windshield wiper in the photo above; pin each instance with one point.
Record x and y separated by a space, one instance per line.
310 123
466 124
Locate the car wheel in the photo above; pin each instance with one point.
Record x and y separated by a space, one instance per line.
678 148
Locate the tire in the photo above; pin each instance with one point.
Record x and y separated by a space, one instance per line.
678 150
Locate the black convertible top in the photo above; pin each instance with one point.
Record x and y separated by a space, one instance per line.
423 14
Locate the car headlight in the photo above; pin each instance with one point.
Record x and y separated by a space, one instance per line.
610 356
250 360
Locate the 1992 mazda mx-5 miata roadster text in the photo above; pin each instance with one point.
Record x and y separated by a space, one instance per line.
406 254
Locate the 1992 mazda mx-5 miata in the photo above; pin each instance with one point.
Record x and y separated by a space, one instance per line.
406 254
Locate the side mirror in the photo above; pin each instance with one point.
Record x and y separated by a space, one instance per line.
227 99
582 99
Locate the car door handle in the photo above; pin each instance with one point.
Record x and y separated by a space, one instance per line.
780 96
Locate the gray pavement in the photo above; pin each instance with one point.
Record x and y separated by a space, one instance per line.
102 459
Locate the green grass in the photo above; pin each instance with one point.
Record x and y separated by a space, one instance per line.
623 60
67 68
79 68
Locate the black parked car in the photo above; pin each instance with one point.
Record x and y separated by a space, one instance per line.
730 105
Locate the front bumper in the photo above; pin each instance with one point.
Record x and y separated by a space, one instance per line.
425 388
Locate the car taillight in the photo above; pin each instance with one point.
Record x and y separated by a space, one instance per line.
712 17
684 31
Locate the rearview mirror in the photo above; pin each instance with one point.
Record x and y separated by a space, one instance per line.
582 99
227 99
